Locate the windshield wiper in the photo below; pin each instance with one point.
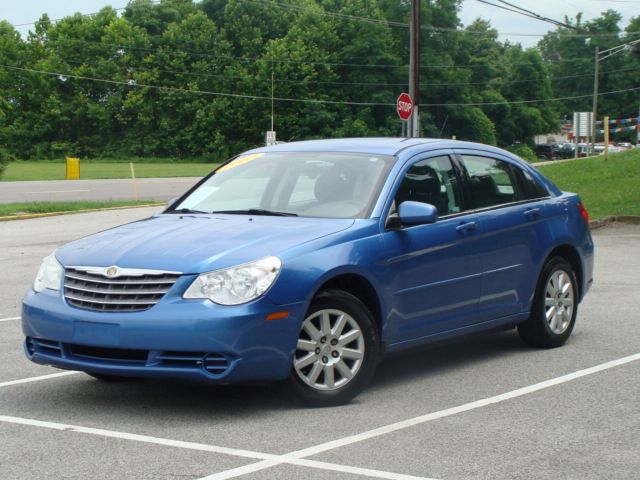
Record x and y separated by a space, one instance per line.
258 211
185 210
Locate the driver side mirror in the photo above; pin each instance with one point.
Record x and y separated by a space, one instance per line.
413 213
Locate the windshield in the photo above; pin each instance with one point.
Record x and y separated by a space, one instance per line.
310 184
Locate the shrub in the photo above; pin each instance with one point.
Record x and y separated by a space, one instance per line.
523 151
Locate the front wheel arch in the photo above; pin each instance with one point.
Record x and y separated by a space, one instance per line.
361 288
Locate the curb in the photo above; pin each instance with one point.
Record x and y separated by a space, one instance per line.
28 216
605 222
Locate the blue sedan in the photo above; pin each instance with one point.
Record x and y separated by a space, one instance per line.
307 262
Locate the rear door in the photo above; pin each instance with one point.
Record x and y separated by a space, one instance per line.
511 209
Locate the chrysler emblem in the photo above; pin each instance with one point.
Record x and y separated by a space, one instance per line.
112 272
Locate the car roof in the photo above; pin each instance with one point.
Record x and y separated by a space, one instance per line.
374 145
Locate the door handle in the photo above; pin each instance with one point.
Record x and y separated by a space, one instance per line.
466 227
532 213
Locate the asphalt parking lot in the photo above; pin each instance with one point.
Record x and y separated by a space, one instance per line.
483 408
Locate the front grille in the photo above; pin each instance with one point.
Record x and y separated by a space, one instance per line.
131 291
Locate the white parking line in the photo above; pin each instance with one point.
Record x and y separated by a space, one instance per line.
376 432
284 459
268 459
37 379
8 319
138 438
298 457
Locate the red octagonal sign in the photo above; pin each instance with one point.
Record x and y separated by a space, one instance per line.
404 106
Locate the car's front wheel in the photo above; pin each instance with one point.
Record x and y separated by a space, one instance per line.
337 350
555 306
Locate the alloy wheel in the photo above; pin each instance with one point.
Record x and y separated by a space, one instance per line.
559 301
330 350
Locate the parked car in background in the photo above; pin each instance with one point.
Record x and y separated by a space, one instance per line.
546 151
309 261
567 150
599 149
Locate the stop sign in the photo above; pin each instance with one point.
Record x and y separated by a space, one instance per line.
404 106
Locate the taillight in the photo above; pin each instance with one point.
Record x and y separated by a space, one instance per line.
583 212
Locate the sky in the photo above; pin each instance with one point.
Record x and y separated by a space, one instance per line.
26 11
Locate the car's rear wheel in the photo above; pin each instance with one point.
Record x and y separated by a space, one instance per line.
337 350
555 306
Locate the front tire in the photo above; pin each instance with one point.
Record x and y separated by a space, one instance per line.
337 350
555 306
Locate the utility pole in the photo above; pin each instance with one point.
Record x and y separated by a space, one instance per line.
595 102
414 69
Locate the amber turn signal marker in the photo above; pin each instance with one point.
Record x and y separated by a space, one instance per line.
277 315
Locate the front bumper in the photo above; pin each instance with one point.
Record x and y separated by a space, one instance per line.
190 339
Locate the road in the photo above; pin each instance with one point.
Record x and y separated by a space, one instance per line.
484 408
157 189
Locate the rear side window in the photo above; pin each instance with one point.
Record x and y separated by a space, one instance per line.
530 188
493 182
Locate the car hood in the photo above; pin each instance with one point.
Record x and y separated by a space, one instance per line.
196 243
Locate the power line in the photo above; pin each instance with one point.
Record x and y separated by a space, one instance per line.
516 102
370 20
538 16
135 84
372 84
266 60
132 84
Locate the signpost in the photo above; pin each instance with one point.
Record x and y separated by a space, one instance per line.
270 138
404 106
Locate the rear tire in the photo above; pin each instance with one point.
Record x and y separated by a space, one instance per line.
337 350
555 306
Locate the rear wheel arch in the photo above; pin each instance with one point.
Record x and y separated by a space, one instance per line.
570 254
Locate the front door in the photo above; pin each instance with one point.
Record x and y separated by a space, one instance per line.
433 271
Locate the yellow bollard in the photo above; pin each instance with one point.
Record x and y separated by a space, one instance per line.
73 168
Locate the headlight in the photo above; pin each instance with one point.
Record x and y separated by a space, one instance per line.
49 275
236 285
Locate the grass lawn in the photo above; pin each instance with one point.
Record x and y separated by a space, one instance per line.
92 169
606 187
16 209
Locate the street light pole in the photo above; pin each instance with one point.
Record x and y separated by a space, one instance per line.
603 55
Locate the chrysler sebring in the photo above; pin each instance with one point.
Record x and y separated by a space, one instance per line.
307 262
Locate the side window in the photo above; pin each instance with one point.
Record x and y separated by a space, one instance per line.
531 189
491 181
433 181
